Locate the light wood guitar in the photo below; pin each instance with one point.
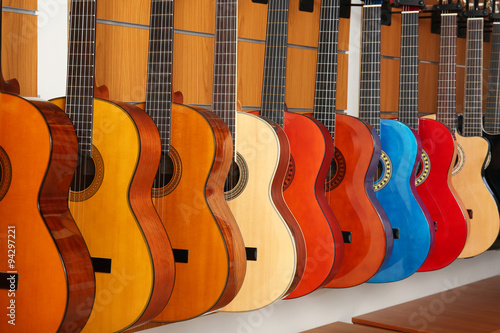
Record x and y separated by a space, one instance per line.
473 151
188 189
110 198
275 251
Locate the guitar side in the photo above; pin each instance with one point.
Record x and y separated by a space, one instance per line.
311 153
213 274
272 271
38 158
398 196
117 219
468 180
352 198
433 186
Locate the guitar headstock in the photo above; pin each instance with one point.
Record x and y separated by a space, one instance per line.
474 9
448 6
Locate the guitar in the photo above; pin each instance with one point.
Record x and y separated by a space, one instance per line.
438 153
188 189
253 188
395 188
311 152
473 149
46 276
110 197
491 118
349 186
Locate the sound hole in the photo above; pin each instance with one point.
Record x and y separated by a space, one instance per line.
383 173
237 178
165 171
337 171
84 174
169 174
5 173
423 168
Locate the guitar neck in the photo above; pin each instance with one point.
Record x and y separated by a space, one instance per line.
492 116
447 72
159 81
326 72
225 61
273 86
369 97
80 80
473 78
408 75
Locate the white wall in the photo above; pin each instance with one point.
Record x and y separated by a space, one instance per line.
319 308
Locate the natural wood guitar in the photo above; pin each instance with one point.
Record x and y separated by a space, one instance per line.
473 151
188 189
110 198
46 276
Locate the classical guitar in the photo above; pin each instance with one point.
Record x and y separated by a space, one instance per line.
46 276
188 189
349 190
274 250
311 152
110 197
473 149
438 153
491 123
395 187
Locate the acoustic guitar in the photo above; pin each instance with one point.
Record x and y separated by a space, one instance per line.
46 276
110 197
253 190
188 188
438 145
395 182
473 149
491 122
349 190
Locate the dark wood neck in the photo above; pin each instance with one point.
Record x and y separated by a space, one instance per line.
447 72
326 72
80 81
369 96
159 82
225 62
273 85
492 116
473 78
408 75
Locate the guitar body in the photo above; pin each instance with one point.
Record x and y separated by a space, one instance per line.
397 194
118 220
197 217
38 153
492 172
352 198
275 259
468 180
437 193
311 150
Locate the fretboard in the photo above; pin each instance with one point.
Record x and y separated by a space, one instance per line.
447 72
159 82
473 78
369 96
273 84
492 116
326 72
224 82
408 75
80 80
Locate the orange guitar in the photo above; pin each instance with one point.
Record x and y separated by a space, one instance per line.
46 276
188 189
110 197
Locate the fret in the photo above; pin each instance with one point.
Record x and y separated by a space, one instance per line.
492 116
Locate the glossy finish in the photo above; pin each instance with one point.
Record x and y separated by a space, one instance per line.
56 279
400 200
355 205
439 196
119 221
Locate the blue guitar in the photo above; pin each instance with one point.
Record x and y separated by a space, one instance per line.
401 151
